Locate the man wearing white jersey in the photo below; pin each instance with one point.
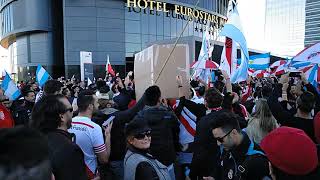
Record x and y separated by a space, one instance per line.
89 134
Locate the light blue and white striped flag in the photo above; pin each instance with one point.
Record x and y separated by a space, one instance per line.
42 75
299 64
259 62
233 30
313 76
10 88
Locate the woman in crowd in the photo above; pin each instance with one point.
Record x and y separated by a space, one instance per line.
138 163
262 121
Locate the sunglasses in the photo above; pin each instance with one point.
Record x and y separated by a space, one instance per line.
70 109
4 100
221 139
141 136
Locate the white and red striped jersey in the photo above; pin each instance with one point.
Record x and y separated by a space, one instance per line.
90 139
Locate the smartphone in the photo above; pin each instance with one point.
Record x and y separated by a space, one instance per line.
108 121
295 74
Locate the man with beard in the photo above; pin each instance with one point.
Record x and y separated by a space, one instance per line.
52 115
89 135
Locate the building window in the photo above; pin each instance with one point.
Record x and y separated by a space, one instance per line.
6 17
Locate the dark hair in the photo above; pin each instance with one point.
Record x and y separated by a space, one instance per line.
266 90
64 91
213 98
258 92
226 121
306 102
26 92
24 154
152 95
194 83
201 90
45 114
25 89
219 85
237 89
52 86
92 87
104 89
114 87
100 84
85 98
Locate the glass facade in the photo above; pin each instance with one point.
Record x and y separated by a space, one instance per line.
6 17
53 34
312 28
144 26
285 26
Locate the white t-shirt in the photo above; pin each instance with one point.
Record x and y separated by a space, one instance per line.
90 139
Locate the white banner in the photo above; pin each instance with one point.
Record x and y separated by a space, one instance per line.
85 57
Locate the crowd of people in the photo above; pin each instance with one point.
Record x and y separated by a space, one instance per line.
260 129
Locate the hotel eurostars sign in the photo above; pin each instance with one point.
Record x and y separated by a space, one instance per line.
153 7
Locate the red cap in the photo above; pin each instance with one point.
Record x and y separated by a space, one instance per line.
290 150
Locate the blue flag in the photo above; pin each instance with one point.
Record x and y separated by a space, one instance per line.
10 88
42 75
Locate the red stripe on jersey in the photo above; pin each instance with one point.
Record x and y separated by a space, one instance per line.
83 124
187 125
90 174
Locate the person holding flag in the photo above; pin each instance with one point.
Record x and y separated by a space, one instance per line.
10 88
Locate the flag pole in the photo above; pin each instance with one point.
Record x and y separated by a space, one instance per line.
175 45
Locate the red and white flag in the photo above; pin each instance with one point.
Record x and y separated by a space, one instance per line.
280 70
228 60
278 63
109 68
310 54
261 74
250 72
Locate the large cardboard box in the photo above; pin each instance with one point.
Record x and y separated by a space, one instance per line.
148 64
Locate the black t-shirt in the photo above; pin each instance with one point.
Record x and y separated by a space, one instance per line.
146 172
307 125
